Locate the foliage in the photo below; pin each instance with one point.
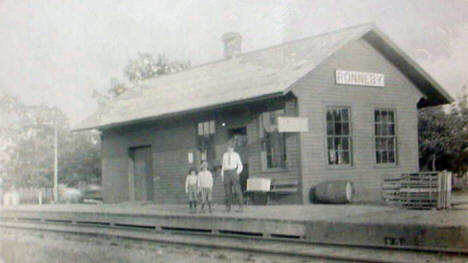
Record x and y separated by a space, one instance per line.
145 67
79 159
461 161
27 136
117 87
443 137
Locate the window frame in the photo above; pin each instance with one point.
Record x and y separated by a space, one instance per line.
395 136
263 153
206 131
350 136
207 127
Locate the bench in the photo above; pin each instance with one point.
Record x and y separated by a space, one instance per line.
284 185
261 189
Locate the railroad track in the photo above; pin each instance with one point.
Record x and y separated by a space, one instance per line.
244 243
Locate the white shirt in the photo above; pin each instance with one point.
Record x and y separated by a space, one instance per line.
231 161
205 179
190 180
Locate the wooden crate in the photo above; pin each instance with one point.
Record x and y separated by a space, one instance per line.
419 190
445 190
391 190
425 190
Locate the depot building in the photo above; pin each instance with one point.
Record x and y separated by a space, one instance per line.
337 106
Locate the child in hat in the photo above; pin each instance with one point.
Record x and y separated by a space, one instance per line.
191 189
205 186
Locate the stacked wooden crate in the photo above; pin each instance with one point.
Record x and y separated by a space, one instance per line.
391 190
445 190
419 190
424 190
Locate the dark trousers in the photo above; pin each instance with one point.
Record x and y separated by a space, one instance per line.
231 180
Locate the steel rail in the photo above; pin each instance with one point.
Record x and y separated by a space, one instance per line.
102 221
295 248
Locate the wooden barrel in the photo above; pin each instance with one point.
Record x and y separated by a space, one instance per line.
334 192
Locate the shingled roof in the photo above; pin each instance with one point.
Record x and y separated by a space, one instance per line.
253 75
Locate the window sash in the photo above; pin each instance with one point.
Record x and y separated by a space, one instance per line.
274 143
206 128
275 150
385 136
338 136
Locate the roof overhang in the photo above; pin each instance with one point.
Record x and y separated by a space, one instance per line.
180 113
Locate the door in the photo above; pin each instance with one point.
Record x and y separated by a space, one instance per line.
239 137
142 173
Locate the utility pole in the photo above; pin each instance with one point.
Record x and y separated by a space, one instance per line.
55 162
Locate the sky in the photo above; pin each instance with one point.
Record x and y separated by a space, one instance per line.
56 52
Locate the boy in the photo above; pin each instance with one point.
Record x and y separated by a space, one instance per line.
205 186
191 189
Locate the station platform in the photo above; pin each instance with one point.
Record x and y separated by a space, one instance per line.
350 225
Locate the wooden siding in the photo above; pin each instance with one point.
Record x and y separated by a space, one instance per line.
317 90
172 140
292 151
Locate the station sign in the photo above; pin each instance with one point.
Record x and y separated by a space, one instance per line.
357 78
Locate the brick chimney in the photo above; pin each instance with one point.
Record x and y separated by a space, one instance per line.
232 44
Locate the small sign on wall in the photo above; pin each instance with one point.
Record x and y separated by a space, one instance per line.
293 124
357 78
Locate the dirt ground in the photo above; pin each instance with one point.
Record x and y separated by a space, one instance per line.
26 246
460 196
21 246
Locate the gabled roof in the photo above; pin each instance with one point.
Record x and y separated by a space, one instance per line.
433 91
250 76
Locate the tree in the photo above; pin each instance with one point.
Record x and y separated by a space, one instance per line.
461 109
80 158
443 137
117 87
439 136
9 129
145 67
28 158
31 154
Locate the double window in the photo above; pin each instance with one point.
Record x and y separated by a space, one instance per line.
385 138
205 140
273 142
206 128
339 136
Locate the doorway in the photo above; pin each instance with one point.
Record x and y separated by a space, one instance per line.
141 183
239 137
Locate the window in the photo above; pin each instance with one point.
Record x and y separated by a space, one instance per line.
338 136
385 139
274 142
206 128
205 140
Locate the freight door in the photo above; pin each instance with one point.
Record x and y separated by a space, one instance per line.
143 174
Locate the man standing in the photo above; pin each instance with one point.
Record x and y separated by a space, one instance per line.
230 171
